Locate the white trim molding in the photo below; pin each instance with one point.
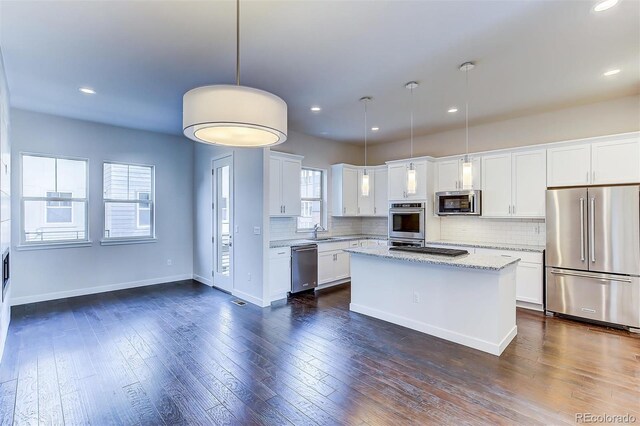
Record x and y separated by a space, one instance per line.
15 301
251 299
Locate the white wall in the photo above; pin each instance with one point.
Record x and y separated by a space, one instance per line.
321 154
5 199
52 273
248 248
603 118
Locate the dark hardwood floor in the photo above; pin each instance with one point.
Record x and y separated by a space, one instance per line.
182 353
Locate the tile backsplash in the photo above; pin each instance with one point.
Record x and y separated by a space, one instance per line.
509 231
284 228
461 228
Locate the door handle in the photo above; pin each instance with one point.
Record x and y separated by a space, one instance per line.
582 254
284 209
593 277
592 237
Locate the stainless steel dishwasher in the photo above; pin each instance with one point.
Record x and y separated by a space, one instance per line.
304 267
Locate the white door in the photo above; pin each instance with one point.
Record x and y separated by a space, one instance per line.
326 261
275 187
291 202
496 185
366 204
342 265
223 223
349 192
397 181
449 175
381 196
615 161
569 165
529 183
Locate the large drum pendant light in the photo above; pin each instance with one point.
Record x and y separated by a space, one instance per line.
234 115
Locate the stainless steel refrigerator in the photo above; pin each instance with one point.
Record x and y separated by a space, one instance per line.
593 253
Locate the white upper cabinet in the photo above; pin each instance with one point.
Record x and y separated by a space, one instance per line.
529 183
346 183
607 162
284 184
380 196
397 176
514 184
449 174
569 165
366 203
398 180
496 185
615 161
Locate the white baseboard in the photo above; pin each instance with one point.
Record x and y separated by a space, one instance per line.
494 348
332 284
203 280
529 305
15 301
251 299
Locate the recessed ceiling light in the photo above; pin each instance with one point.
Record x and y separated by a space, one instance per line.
316 109
375 129
87 90
604 5
454 109
611 72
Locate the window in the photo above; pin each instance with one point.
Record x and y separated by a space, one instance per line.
128 201
54 200
313 209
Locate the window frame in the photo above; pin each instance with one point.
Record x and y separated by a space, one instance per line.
27 245
322 199
152 201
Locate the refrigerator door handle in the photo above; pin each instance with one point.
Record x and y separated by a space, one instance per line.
592 226
591 276
582 253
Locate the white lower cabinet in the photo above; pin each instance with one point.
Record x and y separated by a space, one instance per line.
529 273
529 276
279 272
333 266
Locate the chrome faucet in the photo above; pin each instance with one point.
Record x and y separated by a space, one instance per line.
317 227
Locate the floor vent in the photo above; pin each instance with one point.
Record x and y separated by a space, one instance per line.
239 302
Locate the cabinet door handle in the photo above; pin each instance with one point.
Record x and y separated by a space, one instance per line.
344 210
514 209
358 210
284 209
509 208
375 210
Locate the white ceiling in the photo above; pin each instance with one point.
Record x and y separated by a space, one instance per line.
141 56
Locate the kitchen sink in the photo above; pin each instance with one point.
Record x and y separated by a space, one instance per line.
322 239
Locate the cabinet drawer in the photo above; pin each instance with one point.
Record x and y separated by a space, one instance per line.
280 252
340 245
524 256
355 243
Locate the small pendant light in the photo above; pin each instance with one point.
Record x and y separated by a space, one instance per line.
467 165
412 182
364 187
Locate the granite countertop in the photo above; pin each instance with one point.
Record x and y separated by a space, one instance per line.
497 246
473 261
336 239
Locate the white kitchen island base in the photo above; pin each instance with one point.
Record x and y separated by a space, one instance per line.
470 305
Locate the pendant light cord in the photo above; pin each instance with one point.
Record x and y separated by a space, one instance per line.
238 42
365 135
466 114
411 90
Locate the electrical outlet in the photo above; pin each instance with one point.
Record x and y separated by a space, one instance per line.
237 228
256 230
416 297
169 262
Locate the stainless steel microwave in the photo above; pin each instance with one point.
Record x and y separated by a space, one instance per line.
452 203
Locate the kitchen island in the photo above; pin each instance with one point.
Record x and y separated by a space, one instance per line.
470 299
